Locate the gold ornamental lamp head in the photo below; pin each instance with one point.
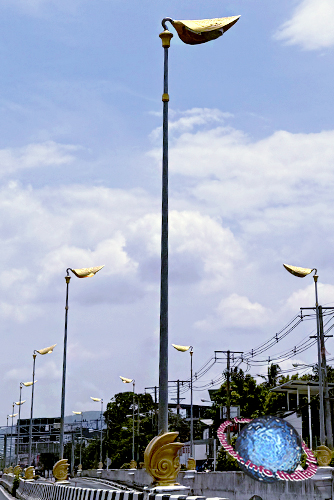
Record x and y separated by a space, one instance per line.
126 380
77 412
96 399
182 348
201 30
300 272
14 415
29 384
20 402
46 350
87 272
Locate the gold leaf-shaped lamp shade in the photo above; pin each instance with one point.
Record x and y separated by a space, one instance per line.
126 380
182 348
18 403
60 469
203 30
95 399
86 272
301 272
47 350
161 458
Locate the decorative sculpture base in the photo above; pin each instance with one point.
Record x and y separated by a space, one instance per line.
323 480
170 490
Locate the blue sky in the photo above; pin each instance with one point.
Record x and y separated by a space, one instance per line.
251 186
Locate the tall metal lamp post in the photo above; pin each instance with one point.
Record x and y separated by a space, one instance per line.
11 435
129 381
88 272
190 32
324 410
97 400
184 348
19 403
79 413
46 350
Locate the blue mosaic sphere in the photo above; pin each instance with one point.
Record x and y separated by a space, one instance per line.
271 442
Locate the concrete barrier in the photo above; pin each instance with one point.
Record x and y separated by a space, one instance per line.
232 485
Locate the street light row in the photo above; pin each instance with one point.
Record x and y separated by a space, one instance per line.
79 273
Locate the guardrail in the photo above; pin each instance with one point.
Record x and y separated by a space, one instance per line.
32 490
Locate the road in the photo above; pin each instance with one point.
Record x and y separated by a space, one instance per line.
88 483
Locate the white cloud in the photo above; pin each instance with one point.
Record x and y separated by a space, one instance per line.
311 25
187 121
238 312
36 155
305 297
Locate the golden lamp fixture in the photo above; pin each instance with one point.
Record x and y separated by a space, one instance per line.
46 350
161 459
300 272
202 30
126 380
87 272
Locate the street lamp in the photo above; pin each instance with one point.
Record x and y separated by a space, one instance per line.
79 413
11 435
87 272
97 400
324 410
128 381
190 32
45 350
184 348
19 404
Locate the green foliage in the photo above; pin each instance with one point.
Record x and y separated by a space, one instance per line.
16 484
120 427
225 462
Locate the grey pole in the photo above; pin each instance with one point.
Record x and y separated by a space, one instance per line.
101 433
163 355
80 438
18 427
321 389
62 411
191 405
133 420
327 405
32 407
11 439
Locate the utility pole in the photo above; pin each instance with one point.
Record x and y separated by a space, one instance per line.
325 408
228 388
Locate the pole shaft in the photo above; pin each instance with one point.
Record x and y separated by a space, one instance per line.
133 422
191 407
32 407
11 439
163 356
80 438
18 428
320 370
228 399
101 430
62 411
327 405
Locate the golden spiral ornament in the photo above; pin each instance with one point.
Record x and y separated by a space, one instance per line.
60 469
161 458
